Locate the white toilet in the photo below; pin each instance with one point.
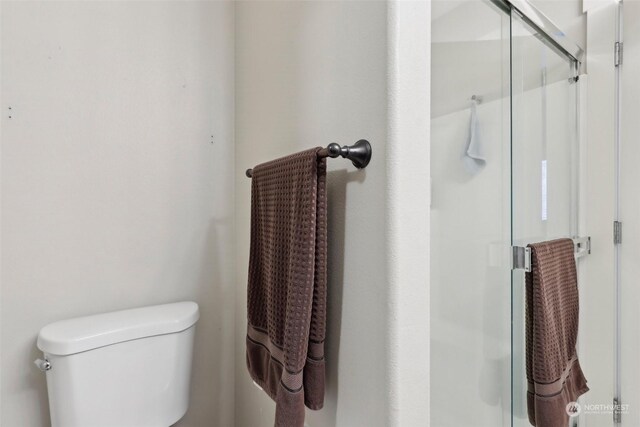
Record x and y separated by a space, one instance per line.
128 368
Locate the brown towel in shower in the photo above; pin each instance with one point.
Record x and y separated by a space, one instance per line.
286 295
554 376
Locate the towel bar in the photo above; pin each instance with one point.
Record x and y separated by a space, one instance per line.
359 154
521 256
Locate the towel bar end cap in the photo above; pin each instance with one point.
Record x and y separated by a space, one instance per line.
360 154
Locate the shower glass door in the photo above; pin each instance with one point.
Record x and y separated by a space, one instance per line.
504 165
544 168
470 302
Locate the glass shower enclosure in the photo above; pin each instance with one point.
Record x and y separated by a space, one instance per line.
505 173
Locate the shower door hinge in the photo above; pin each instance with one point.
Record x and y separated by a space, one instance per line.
617 411
617 54
617 232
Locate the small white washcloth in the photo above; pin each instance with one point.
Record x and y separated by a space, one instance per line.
473 158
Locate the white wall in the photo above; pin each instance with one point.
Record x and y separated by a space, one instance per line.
117 168
309 73
597 297
630 213
313 72
409 193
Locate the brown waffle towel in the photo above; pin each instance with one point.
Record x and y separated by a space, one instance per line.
554 376
286 306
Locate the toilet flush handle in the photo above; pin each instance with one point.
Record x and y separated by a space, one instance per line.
43 365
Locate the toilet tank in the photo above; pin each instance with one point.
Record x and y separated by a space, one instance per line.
128 368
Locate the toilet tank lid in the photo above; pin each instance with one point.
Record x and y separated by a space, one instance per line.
86 333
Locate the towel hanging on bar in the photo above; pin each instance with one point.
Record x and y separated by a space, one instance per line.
521 256
286 292
554 376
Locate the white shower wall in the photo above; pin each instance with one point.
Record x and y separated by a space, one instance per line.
471 283
470 310
630 214
470 259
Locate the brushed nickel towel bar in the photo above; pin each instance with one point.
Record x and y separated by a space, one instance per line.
359 154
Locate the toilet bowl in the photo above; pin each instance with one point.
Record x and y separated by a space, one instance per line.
128 368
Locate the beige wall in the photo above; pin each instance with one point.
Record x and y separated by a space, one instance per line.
116 180
309 73
118 184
